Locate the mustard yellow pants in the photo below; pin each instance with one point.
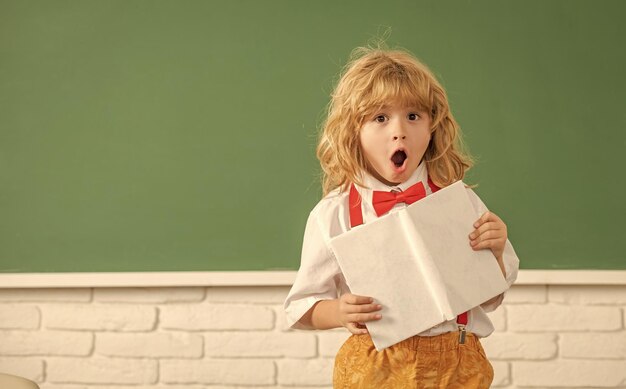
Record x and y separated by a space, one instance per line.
417 362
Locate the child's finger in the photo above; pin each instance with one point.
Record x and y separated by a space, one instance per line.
353 328
482 219
356 299
364 308
489 234
485 227
485 218
362 327
363 317
488 243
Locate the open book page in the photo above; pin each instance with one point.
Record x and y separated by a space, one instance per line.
477 277
418 264
378 261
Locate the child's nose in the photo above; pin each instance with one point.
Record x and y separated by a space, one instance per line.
398 131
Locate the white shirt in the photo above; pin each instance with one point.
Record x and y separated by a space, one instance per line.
320 278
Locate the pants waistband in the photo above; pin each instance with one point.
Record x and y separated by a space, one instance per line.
442 342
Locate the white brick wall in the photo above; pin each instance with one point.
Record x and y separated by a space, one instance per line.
547 336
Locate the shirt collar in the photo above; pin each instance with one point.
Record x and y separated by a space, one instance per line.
372 184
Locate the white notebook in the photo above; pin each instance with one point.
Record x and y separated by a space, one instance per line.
418 264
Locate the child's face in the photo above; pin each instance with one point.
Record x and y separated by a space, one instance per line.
394 141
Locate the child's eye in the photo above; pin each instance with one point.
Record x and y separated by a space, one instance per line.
413 116
380 118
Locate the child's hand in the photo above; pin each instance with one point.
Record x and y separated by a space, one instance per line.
353 311
490 233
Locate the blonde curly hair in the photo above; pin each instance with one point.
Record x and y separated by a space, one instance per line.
371 78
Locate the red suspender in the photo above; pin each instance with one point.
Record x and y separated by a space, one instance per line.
356 215
356 219
433 187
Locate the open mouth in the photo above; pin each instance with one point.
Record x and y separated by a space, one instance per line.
398 158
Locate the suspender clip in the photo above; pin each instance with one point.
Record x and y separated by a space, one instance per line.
461 334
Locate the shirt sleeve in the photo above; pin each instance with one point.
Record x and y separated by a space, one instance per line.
319 276
509 257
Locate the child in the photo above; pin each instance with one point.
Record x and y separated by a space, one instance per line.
390 129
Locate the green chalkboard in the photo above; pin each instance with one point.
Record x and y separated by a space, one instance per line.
180 135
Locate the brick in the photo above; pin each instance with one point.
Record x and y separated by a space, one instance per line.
102 317
501 374
570 374
65 386
510 346
330 342
48 294
551 317
498 318
216 317
305 371
148 295
247 294
593 345
99 370
260 344
597 294
79 386
524 294
45 343
16 316
255 372
164 345
30 368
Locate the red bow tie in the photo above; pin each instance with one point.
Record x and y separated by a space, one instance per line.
384 201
